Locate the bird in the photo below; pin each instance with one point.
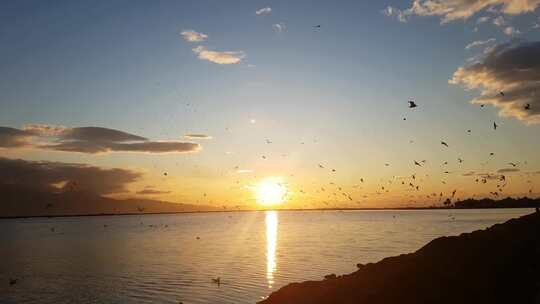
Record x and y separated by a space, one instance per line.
460 160
502 93
513 164
495 126
217 281
12 282
165 173
527 106
317 26
417 163
321 166
412 104
444 144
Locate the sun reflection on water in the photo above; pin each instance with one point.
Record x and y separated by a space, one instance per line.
271 244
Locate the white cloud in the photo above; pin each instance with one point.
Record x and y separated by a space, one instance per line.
482 20
193 36
400 15
219 57
264 11
479 43
511 31
499 21
451 10
279 27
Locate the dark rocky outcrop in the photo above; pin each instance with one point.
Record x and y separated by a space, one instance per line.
500 264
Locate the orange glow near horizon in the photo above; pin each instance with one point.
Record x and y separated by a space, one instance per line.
270 192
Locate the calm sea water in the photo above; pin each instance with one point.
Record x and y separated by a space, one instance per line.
158 258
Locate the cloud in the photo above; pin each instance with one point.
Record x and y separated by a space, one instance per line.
46 176
14 138
451 10
264 11
499 21
400 15
479 43
482 20
197 136
193 36
508 170
219 57
511 31
152 192
87 140
279 27
514 69
241 171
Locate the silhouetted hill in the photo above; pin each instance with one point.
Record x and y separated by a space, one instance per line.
508 202
498 265
17 201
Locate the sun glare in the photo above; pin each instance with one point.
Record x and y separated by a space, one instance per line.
270 192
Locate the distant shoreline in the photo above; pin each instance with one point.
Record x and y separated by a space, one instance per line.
258 210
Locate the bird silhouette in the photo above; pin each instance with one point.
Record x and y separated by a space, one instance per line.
502 93
527 106
495 126
317 26
217 281
444 144
412 104
12 282
513 164
417 163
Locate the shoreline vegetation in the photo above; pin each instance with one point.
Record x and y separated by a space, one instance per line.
65 205
499 264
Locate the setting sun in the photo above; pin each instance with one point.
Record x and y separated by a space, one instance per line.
270 191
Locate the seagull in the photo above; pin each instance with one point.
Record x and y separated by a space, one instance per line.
444 144
513 164
417 163
460 160
527 106
495 126
502 93
412 104
317 26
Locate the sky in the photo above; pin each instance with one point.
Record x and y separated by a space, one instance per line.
201 101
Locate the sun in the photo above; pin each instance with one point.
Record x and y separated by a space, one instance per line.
270 192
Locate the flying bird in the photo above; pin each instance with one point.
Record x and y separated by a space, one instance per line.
527 106
495 126
502 93
412 104
444 144
417 163
317 26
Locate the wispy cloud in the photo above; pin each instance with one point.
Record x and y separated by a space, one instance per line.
511 31
219 57
513 68
279 27
400 15
152 192
508 170
193 36
197 136
264 11
479 43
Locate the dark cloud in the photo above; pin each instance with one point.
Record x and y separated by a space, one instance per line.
56 176
508 170
152 192
88 140
512 68
13 138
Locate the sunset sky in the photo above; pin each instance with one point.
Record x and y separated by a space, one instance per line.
200 101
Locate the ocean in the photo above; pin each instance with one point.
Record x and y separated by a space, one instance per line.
174 258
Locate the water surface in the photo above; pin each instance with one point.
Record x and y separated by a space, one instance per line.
172 258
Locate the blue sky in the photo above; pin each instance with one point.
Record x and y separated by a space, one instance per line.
343 88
